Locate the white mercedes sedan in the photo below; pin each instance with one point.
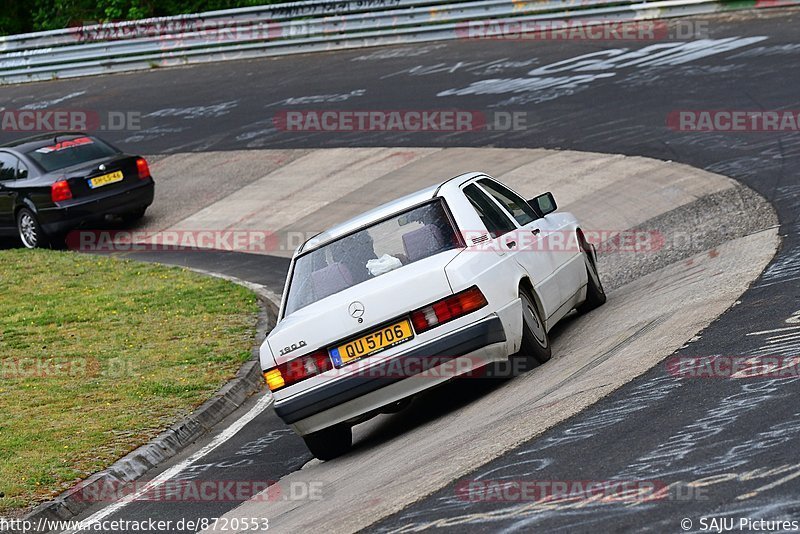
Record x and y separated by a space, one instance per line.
437 284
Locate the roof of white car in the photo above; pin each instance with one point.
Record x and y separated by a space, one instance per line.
381 212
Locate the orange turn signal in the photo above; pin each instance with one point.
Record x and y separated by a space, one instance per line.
274 379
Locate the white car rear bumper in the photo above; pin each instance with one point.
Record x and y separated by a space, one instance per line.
473 346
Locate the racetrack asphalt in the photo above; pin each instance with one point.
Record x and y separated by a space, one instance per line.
673 431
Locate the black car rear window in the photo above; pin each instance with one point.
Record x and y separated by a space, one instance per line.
71 151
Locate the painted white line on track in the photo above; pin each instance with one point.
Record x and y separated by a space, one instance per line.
784 339
262 404
784 329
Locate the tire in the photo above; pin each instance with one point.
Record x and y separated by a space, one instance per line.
330 443
595 294
535 347
135 215
29 230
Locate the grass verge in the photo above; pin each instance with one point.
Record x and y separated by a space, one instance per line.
98 355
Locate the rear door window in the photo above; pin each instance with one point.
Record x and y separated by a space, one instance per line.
490 213
22 170
517 206
8 167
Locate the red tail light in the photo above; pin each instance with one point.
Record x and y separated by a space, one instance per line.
448 309
142 168
298 369
60 191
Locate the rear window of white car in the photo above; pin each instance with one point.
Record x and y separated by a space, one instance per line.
390 244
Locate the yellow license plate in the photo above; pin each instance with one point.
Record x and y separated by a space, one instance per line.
374 342
106 179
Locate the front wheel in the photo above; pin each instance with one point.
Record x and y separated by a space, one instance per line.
29 230
595 294
328 443
535 341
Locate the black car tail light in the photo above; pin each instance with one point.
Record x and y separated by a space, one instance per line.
142 168
60 191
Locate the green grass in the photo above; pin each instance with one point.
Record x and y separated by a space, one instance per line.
98 355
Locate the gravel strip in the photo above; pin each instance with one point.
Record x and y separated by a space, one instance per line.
688 230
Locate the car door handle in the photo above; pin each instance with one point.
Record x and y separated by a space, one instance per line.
536 231
511 244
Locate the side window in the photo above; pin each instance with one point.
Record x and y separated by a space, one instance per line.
492 216
8 167
516 206
22 170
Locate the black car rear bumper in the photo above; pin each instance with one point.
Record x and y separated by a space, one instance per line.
61 219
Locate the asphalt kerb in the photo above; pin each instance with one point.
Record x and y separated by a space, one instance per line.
170 442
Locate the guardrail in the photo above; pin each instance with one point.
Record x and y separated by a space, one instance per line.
299 27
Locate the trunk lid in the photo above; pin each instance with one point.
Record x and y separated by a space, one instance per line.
384 298
100 177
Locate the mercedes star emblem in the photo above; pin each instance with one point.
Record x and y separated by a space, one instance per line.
356 309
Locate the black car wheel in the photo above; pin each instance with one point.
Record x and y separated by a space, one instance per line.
331 442
135 215
30 233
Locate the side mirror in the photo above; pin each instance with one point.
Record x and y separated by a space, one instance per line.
544 203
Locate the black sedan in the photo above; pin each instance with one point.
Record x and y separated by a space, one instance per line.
51 184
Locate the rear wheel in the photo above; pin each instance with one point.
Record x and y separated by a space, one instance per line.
328 443
595 294
29 230
535 341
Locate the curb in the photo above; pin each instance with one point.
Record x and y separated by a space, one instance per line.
170 442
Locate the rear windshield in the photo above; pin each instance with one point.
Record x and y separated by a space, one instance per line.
66 152
391 244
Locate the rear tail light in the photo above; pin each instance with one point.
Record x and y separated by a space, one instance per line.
448 309
142 168
298 369
60 191
423 319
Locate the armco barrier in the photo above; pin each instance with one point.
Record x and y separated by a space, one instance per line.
298 27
